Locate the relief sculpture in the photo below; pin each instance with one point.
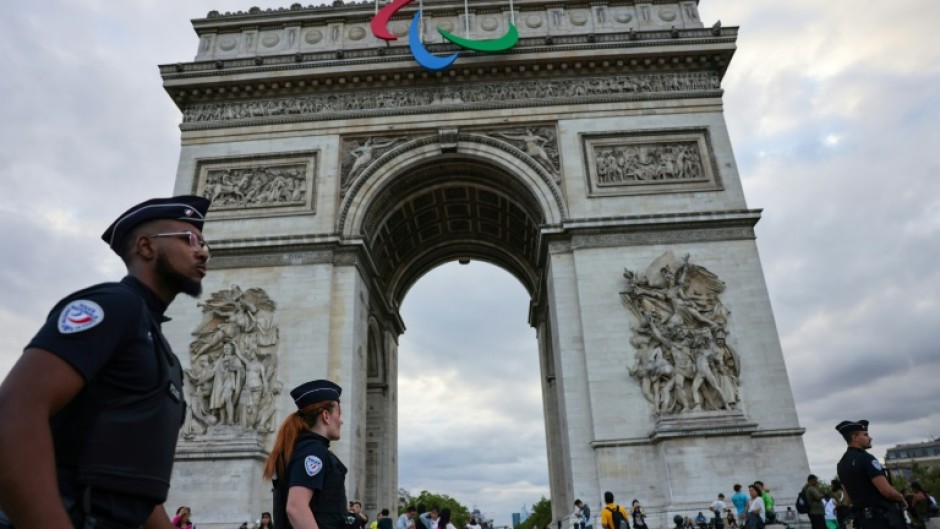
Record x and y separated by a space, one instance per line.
391 101
683 361
232 382
280 185
644 163
358 154
539 143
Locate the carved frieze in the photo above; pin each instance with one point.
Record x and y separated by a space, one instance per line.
645 162
539 143
232 382
258 186
683 360
449 98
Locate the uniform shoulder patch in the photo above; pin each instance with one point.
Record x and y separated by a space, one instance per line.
875 463
313 465
80 315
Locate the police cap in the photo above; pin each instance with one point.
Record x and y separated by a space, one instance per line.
315 391
187 208
847 427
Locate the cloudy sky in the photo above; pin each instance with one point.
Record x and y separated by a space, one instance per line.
833 109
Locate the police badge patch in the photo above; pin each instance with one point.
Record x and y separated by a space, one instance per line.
876 464
80 315
312 465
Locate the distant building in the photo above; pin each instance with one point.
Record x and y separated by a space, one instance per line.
900 459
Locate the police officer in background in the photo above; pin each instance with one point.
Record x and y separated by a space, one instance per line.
92 409
875 503
309 480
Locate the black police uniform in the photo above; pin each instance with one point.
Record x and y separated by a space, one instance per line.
314 466
856 469
114 442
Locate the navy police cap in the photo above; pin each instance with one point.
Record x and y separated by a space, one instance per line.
315 391
187 208
845 427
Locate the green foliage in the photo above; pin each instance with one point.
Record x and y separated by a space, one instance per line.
459 515
541 515
928 477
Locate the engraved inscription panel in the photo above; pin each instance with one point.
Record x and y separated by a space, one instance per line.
650 162
258 186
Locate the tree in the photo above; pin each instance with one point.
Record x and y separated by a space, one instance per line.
927 477
459 515
541 515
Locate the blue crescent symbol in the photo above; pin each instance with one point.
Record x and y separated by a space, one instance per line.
421 54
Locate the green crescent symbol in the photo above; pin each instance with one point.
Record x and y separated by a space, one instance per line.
486 46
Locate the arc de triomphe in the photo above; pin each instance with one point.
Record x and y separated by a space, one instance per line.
591 160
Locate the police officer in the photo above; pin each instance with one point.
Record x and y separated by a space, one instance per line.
309 480
92 409
875 503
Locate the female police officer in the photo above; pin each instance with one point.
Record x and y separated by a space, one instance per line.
310 481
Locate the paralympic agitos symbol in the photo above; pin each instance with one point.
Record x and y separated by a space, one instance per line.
425 58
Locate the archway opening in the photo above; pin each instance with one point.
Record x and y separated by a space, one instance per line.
471 420
470 411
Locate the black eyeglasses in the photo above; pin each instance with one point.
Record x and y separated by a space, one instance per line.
195 242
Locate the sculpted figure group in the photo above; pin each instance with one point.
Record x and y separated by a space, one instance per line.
648 163
683 361
233 383
256 186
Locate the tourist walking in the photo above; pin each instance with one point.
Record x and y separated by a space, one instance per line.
756 510
638 515
613 516
740 501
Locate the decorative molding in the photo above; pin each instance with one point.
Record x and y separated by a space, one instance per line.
448 138
559 247
258 186
260 260
425 99
669 236
678 160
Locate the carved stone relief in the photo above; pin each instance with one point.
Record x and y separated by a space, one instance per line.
650 162
430 98
281 184
359 153
539 143
232 383
683 361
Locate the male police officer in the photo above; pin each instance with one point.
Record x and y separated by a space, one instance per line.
92 409
875 503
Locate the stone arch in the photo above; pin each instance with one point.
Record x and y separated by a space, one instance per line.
487 201
418 207
367 186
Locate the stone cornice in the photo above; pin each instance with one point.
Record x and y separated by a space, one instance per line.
639 43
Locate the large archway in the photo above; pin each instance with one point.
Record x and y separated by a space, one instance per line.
438 209
591 161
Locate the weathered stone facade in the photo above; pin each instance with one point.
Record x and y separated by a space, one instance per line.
588 161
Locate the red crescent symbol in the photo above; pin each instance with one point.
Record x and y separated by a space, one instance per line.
380 20
80 321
